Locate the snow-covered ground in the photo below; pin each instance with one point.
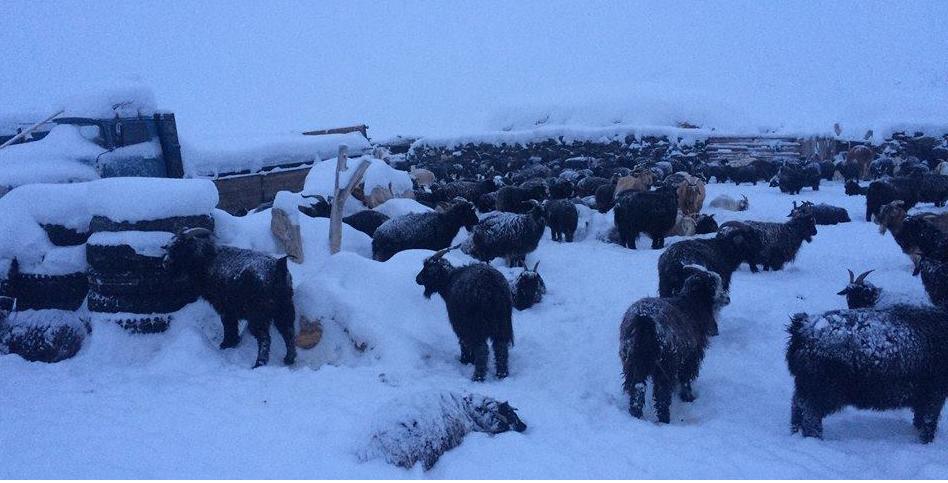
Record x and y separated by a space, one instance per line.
173 406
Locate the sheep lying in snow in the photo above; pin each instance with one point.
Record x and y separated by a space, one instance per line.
872 359
431 231
479 308
424 426
665 338
823 214
239 284
528 288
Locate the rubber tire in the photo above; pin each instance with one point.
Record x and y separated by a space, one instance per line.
173 224
120 258
43 344
156 303
139 282
37 292
65 237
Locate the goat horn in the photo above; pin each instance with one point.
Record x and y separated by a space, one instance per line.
744 197
862 277
536 265
852 276
196 232
440 253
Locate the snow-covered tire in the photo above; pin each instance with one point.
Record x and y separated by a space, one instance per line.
172 224
65 237
43 335
139 282
152 303
37 292
136 324
120 258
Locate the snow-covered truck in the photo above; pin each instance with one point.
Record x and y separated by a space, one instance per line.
74 149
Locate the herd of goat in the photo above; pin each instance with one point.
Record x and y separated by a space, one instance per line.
872 355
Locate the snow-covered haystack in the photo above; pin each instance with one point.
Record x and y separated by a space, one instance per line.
41 335
421 427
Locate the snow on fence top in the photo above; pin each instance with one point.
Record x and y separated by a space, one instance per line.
62 156
321 179
210 158
139 199
567 134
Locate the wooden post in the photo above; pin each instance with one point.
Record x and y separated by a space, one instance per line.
30 129
340 196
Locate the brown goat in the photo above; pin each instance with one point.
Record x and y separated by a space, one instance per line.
685 225
423 177
691 195
637 181
861 155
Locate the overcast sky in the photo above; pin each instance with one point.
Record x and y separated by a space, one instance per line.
444 67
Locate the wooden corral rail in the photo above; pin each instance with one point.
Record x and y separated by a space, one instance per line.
776 149
360 128
242 193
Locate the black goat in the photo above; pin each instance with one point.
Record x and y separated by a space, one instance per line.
479 303
665 338
431 231
853 189
588 185
561 189
469 190
563 217
933 188
605 197
823 214
507 235
869 358
780 242
706 224
366 221
884 191
722 255
859 293
652 212
528 288
239 284
791 179
513 199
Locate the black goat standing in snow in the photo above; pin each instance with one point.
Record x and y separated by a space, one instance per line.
563 217
780 242
872 359
665 338
431 231
478 300
239 284
507 235
651 212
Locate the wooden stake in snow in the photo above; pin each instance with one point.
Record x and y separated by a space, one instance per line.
340 197
30 129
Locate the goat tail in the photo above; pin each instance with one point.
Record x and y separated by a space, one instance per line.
283 272
640 351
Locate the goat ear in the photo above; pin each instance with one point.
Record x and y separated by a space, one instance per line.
843 291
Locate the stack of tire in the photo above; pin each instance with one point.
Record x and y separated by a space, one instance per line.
128 283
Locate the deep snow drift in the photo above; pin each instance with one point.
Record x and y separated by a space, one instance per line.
173 405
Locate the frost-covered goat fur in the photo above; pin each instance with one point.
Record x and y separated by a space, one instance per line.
651 212
507 235
479 303
872 359
528 288
563 217
239 284
780 242
430 231
665 339
424 426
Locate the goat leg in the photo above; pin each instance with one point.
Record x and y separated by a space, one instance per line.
480 352
231 337
500 358
261 331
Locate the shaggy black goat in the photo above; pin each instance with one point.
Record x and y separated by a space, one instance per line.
823 214
706 224
507 235
469 190
869 358
780 242
487 202
424 426
652 212
431 231
239 284
722 255
859 293
528 288
605 197
561 189
513 199
933 188
366 221
588 185
563 218
853 188
479 303
885 191
665 338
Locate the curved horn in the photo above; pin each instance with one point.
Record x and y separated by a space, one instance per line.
852 276
536 265
196 232
440 253
862 277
